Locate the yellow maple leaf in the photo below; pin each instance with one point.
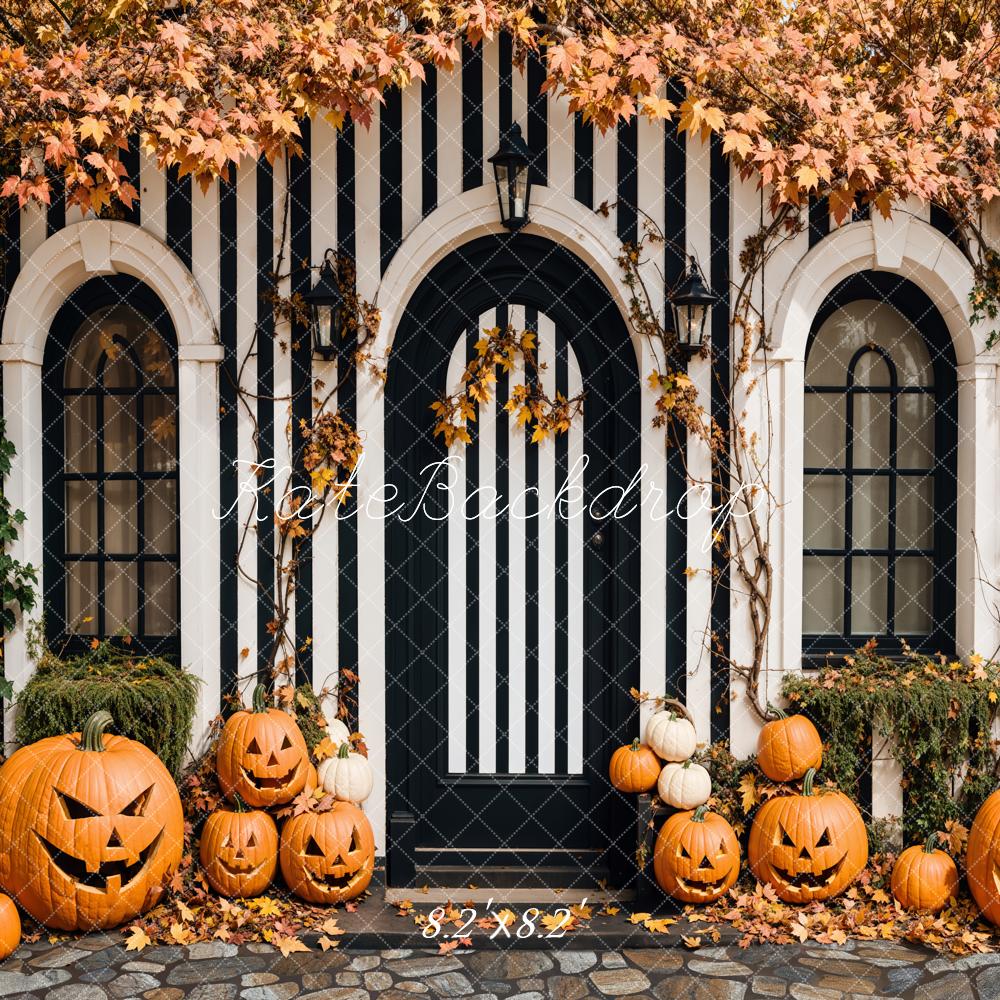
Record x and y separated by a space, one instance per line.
268 907
556 921
288 944
137 939
691 942
325 748
660 925
180 933
749 791
639 918
326 944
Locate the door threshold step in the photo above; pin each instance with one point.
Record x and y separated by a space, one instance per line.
501 896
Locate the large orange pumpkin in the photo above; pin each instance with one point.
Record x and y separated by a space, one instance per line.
10 927
696 858
239 851
982 858
788 746
262 755
924 878
634 768
809 846
92 828
328 857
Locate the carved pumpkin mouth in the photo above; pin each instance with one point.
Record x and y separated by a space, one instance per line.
76 868
238 867
330 881
270 783
807 879
705 887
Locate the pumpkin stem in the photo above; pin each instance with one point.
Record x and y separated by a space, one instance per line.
260 698
777 711
807 781
930 844
92 736
699 814
238 804
345 749
635 745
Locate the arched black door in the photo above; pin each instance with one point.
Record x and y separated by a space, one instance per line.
512 596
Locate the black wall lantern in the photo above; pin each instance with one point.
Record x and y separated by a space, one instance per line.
691 301
325 302
510 168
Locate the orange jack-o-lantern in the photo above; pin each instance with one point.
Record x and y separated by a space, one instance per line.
239 851
10 927
696 858
92 828
262 755
328 857
808 846
982 858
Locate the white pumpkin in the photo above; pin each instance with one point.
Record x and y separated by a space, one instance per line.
338 732
684 786
670 736
348 776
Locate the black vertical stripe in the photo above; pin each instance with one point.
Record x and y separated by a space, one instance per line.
55 215
628 180
531 610
561 528
428 141
505 89
179 215
300 215
819 219
583 161
503 565
130 161
265 415
719 227
228 440
472 116
538 120
390 176
675 242
472 750
347 525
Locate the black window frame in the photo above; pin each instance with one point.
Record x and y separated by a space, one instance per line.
89 298
916 307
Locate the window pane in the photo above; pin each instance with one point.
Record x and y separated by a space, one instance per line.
871 431
915 512
871 370
119 368
121 597
81 518
916 431
154 357
824 512
160 517
81 434
81 598
914 583
869 593
870 516
119 434
159 448
825 426
120 510
161 598
823 595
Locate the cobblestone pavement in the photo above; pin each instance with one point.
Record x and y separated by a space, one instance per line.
97 968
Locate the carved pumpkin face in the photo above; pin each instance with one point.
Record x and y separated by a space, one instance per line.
808 846
94 828
328 857
982 859
697 856
239 851
262 755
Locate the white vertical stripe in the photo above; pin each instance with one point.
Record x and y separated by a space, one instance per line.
367 195
449 134
412 158
561 147
491 105
486 508
33 222
205 244
546 561
516 563
575 509
457 601
153 197
606 170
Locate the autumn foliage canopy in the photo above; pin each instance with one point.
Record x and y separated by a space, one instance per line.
885 99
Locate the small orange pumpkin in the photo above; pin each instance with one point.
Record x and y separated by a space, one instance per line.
696 858
328 857
239 851
634 768
788 746
10 927
924 878
262 755
809 846
982 858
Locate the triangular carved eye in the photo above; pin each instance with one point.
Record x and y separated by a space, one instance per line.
253 747
824 840
251 841
137 807
722 848
313 850
355 846
75 809
286 743
786 841
684 852
226 842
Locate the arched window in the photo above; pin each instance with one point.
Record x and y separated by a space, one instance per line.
111 523
879 503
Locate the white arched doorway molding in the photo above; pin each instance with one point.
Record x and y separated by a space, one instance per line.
54 271
911 248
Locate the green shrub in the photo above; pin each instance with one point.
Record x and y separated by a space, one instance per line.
151 699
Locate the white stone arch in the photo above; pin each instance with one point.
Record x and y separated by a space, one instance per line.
54 271
913 249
